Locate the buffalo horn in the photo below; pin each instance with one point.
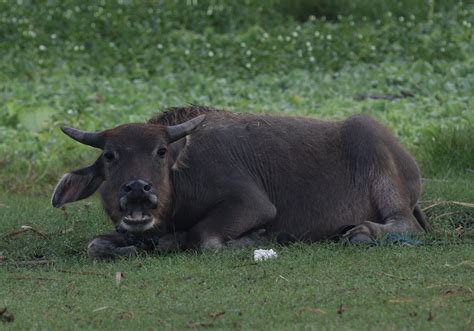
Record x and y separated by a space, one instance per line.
94 139
179 131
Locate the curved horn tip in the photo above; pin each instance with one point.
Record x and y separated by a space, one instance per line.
92 139
199 119
176 132
66 129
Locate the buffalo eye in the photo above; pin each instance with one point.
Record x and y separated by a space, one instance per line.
161 152
109 156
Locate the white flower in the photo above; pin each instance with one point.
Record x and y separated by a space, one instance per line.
42 48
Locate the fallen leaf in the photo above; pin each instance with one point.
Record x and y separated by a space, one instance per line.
216 314
125 315
313 310
459 232
198 325
118 277
430 316
6 316
283 278
341 309
403 300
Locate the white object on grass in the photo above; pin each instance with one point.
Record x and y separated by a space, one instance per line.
264 254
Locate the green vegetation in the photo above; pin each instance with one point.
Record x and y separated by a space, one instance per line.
97 64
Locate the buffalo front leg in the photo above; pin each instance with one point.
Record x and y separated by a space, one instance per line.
111 245
234 217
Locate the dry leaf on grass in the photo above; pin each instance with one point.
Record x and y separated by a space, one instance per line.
118 277
401 300
199 325
6 316
313 310
430 316
100 309
216 314
341 309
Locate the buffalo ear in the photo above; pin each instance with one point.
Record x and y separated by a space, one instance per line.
77 185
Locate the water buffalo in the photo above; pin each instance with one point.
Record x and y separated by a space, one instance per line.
206 177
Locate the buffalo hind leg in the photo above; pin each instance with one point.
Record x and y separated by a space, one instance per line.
366 232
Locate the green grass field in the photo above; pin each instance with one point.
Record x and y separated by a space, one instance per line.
382 287
96 65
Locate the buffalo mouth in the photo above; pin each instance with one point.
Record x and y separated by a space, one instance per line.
137 221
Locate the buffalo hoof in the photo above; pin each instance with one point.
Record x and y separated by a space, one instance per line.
242 242
172 242
105 249
253 239
361 239
212 244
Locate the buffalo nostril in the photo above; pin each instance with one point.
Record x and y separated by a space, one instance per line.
147 188
127 188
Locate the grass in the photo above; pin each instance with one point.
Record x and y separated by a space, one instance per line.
383 287
99 64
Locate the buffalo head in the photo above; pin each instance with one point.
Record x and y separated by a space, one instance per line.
133 172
